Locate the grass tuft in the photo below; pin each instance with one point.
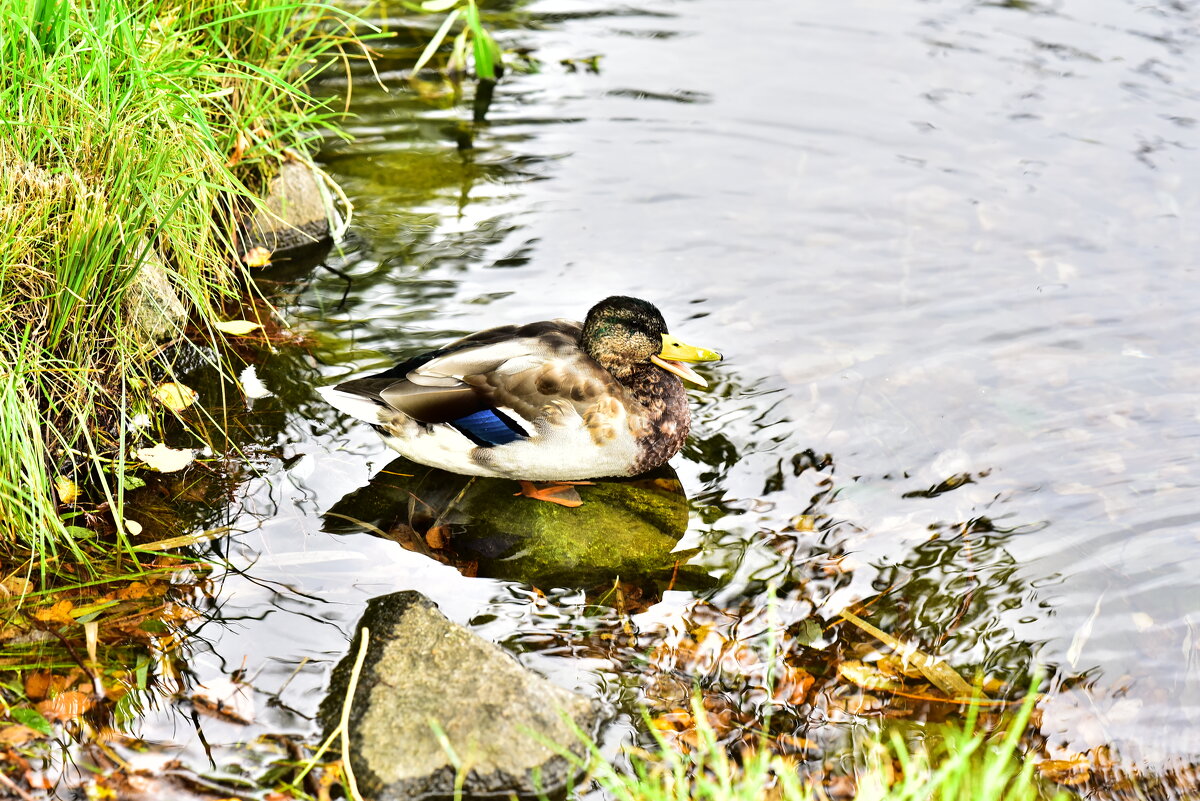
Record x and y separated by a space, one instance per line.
131 133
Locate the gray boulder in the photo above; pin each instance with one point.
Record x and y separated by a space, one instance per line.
295 216
423 670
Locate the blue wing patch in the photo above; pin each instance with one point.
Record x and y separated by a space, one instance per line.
489 427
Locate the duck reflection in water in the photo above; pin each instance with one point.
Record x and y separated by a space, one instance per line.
627 528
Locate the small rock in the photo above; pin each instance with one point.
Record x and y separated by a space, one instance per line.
422 669
153 309
295 216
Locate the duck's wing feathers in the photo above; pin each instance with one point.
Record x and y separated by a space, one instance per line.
495 385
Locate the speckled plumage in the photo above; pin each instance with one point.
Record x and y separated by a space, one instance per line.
571 400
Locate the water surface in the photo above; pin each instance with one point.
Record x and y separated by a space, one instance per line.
948 244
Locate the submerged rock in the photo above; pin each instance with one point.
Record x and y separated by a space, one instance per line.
424 676
625 529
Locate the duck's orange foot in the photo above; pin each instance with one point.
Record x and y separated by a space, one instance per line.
561 492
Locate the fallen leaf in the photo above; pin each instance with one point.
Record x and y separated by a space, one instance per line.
175 396
867 676
38 684
17 734
133 591
238 328
16 585
66 706
437 537
257 257
792 744
944 677
166 459
30 717
792 685
68 490
59 613
131 482
1071 772
252 385
860 703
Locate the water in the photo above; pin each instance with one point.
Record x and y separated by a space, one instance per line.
937 241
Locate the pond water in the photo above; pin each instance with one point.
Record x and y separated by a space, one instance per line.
945 248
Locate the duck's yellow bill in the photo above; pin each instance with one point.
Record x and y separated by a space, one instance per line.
674 353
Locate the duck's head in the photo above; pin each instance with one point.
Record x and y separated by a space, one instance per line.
623 334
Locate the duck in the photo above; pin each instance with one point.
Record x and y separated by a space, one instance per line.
554 401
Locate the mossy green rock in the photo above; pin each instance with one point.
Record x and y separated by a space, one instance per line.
626 529
428 683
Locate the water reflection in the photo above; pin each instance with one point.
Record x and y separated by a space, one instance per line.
625 529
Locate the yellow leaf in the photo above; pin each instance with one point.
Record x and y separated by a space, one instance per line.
257 257
68 490
59 613
175 396
1070 772
238 328
944 677
867 677
166 459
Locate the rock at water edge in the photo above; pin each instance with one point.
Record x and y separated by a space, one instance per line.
421 669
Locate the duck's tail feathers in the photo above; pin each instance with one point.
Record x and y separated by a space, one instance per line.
356 406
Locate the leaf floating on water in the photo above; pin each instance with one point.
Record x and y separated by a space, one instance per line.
944 677
238 328
175 396
252 385
166 459
867 676
257 257
68 490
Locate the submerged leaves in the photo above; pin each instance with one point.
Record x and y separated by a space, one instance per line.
166 459
175 396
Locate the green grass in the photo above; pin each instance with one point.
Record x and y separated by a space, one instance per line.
130 133
927 762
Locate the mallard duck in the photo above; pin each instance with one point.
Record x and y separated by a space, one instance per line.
556 401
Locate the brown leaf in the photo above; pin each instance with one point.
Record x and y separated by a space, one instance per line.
792 685
16 585
133 591
66 706
59 613
437 537
675 720
1071 772
39 683
18 735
